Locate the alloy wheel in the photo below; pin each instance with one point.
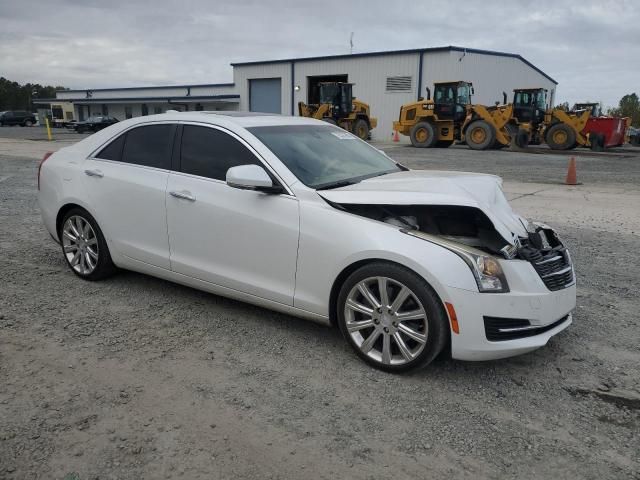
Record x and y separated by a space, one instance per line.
80 245
386 320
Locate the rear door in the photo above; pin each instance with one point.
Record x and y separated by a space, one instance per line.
240 239
126 182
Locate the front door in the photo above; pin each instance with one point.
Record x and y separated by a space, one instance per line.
240 239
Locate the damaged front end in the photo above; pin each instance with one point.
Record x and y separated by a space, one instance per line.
471 234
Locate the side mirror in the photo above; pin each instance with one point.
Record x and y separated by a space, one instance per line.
251 177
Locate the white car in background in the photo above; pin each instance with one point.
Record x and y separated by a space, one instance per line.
299 216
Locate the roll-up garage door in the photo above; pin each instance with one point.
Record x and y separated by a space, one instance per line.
265 95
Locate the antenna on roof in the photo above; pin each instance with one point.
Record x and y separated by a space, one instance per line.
351 42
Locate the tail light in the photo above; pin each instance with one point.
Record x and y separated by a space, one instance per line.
44 159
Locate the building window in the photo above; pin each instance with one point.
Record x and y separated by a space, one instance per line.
157 110
199 107
398 84
145 110
105 110
128 113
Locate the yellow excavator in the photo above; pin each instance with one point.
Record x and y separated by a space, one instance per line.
338 106
438 122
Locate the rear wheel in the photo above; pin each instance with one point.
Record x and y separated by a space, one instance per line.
423 135
360 129
560 137
84 247
480 135
28 123
597 142
391 317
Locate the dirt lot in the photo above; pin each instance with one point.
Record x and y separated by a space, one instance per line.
139 378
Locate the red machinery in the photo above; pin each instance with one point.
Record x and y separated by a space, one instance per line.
611 130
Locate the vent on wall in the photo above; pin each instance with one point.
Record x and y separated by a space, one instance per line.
398 84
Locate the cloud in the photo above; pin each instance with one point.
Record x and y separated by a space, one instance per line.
590 47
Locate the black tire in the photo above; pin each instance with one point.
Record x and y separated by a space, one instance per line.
28 123
560 137
423 135
522 139
360 129
480 135
597 141
436 318
104 266
330 120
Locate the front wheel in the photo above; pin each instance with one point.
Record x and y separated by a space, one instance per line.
423 135
28 123
391 317
84 247
561 137
480 135
361 129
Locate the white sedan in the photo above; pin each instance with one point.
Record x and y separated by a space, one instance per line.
302 217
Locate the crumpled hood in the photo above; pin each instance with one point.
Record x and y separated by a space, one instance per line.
420 187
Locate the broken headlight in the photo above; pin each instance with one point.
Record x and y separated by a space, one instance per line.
485 268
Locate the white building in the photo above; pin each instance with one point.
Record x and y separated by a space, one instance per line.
384 80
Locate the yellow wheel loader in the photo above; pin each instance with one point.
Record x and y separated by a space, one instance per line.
438 122
338 106
527 120
517 123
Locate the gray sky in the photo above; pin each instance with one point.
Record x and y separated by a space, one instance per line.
590 47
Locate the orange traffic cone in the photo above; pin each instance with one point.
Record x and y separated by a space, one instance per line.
396 137
572 178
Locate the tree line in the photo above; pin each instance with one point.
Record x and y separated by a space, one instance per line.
14 96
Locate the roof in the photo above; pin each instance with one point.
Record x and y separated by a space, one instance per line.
168 98
150 87
449 48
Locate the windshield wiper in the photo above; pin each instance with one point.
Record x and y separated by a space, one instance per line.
338 184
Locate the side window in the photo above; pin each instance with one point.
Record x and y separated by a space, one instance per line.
113 151
149 146
207 152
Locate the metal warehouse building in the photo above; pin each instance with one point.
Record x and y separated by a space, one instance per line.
384 80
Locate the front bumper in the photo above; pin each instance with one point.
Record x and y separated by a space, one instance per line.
540 307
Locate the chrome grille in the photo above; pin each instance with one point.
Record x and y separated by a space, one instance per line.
552 261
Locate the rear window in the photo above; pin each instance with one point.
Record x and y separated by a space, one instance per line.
149 146
113 151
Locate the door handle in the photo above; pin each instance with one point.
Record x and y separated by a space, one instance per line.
183 195
94 173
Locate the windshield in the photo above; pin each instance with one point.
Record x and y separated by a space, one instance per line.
328 93
541 100
464 94
324 156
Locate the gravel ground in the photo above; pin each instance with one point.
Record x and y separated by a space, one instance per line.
136 378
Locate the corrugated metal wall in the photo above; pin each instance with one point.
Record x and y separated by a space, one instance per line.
369 74
490 74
